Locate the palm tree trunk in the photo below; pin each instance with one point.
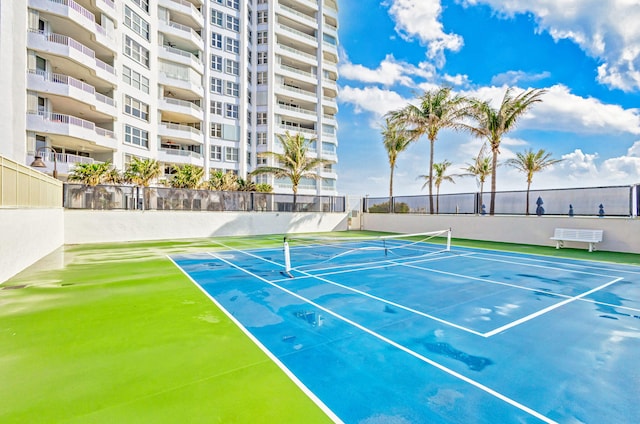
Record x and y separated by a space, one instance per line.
492 205
481 200
391 183
432 142
295 195
437 200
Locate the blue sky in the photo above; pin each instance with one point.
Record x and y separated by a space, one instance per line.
586 55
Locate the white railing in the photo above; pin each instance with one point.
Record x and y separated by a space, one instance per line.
182 103
179 152
297 90
71 43
183 53
296 71
297 129
72 82
298 33
64 157
297 109
189 5
296 52
72 120
185 28
109 3
179 127
308 18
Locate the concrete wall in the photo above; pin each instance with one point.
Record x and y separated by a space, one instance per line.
86 226
27 235
620 234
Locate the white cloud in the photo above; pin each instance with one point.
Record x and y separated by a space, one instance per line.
513 78
372 99
560 110
420 18
606 30
388 73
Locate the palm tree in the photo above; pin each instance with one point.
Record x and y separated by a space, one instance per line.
531 162
439 175
493 124
141 172
437 109
480 169
90 174
187 176
396 139
294 162
222 181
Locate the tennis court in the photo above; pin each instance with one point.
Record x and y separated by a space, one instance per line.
404 330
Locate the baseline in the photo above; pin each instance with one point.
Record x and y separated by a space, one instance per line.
405 349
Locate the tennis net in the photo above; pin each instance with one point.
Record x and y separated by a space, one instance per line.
303 253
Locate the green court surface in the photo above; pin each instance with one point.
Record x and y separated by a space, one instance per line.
116 333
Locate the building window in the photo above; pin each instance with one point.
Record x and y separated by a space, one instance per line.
136 136
233 67
262 138
262 37
136 23
234 4
262 78
216 153
261 161
232 45
231 111
261 118
263 58
216 107
230 154
216 130
216 40
262 17
135 51
216 63
216 85
142 4
232 89
136 108
216 17
135 80
233 23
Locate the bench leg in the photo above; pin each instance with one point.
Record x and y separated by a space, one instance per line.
558 244
590 247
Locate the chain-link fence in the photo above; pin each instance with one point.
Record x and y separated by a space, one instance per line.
595 201
109 197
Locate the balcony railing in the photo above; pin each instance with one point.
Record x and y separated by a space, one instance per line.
307 18
183 53
75 45
297 90
297 129
185 28
179 127
179 152
72 82
183 103
74 121
64 157
297 71
189 5
297 109
297 52
298 33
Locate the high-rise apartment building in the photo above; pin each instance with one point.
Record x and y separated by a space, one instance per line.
204 82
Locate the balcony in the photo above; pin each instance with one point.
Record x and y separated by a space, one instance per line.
296 15
181 107
77 14
170 78
64 46
287 70
297 112
183 32
297 92
180 132
63 162
66 86
71 126
183 57
185 8
297 36
298 54
180 156
311 133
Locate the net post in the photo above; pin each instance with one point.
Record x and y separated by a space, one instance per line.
287 257
449 240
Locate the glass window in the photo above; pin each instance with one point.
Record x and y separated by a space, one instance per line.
262 37
234 4
216 85
216 17
215 107
262 78
216 40
136 136
135 51
134 79
142 4
216 63
216 130
263 58
232 89
262 16
232 45
233 23
216 153
233 67
231 154
231 111
136 23
261 118
136 108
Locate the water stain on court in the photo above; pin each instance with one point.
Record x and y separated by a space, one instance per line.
475 363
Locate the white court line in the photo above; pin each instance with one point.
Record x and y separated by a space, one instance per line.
548 309
262 347
405 349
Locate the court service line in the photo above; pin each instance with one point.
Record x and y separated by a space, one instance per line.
405 349
360 292
548 309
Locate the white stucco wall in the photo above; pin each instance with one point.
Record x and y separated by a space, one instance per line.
620 234
27 235
81 226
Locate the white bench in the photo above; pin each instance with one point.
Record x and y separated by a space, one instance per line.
560 235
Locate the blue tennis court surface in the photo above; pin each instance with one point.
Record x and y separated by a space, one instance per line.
459 336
